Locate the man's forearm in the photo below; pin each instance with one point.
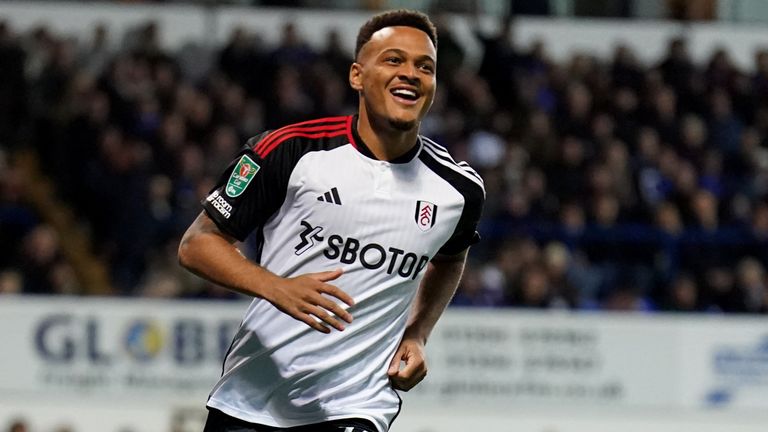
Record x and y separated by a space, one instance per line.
435 292
206 253
211 254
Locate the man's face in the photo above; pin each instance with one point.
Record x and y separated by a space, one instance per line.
395 75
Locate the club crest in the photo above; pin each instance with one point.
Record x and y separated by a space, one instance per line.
425 215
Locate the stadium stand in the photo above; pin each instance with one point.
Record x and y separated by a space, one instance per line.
612 184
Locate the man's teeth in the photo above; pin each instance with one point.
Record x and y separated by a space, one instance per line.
409 94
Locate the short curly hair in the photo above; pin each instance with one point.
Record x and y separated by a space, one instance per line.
400 17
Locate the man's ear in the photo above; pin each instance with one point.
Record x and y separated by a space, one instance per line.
356 76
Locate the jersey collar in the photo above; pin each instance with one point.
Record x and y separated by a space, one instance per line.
359 144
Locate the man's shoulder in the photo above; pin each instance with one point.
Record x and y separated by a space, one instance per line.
459 173
318 134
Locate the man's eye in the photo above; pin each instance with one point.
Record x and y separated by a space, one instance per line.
427 67
393 60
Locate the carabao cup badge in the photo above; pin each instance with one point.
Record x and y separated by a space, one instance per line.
242 175
425 215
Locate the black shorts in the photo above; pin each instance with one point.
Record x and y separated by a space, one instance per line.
219 422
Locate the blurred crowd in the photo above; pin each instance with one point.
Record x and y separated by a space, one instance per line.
19 425
611 183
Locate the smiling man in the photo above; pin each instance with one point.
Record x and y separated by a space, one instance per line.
363 227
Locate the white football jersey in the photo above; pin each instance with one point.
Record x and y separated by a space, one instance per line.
318 200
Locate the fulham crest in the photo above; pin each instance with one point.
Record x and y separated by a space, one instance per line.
425 215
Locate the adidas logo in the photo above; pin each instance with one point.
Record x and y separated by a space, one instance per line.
332 196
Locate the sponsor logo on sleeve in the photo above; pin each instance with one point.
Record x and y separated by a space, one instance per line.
241 176
220 204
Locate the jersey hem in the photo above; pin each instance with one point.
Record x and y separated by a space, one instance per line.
284 423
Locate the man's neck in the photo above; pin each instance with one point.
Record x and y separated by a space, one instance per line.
385 142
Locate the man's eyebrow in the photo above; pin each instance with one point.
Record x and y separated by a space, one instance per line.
405 54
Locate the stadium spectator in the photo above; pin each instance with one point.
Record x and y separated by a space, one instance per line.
13 85
682 294
11 282
18 426
751 281
42 266
477 290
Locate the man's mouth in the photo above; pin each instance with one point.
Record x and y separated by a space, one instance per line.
405 96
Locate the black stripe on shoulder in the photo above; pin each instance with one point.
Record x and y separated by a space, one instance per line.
441 153
453 168
467 184
471 188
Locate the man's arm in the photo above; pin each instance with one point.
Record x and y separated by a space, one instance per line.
211 254
435 292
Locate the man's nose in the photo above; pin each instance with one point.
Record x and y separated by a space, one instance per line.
408 72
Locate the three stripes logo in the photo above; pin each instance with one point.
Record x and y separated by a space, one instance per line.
332 196
426 213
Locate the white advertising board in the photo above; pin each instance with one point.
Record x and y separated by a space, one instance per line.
142 350
507 358
724 365
512 358
73 360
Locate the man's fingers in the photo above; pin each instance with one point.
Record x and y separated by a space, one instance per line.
412 368
338 293
334 307
406 384
306 301
408 377
394 364
331 289
327 318
308 320
326 275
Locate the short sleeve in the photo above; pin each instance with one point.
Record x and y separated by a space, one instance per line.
251 190
465 234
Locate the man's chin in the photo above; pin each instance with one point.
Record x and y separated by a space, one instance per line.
402 125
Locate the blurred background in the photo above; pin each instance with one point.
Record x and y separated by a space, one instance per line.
621 281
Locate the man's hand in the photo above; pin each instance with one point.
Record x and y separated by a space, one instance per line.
435 292
302 298
411 352
211 254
